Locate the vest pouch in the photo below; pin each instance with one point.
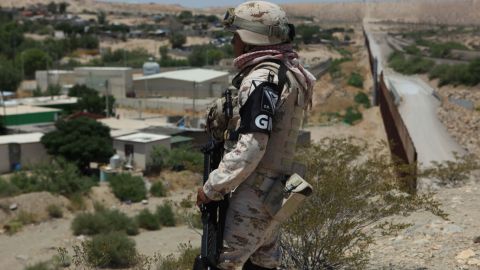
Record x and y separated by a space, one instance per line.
283 200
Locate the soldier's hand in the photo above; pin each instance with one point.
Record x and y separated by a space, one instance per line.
201 197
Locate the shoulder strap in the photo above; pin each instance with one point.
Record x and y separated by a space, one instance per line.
271 64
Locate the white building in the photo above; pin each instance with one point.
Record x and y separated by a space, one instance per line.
46 78
115 81
136 147
20 150
190 83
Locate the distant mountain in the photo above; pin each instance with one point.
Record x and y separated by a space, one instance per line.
424 11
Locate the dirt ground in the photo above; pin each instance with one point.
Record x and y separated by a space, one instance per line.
40 241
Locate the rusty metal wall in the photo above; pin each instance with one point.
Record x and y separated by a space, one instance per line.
401 144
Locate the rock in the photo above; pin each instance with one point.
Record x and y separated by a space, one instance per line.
474 262
468 253
451 229
13 207
476 240
144 202
81 238
22 257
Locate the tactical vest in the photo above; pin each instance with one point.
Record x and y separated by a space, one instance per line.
280 153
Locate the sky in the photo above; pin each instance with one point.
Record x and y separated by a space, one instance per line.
214 3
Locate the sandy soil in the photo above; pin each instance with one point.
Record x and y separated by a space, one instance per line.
39 242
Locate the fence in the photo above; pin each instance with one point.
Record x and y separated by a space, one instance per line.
401 144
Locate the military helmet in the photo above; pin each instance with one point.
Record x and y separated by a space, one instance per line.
259 23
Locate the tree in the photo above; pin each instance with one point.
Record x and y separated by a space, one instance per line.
90 100
80 140
52 7
62 7
33 60
10 77
177 40
102 18
185 15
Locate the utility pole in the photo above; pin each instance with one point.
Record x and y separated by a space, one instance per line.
106 99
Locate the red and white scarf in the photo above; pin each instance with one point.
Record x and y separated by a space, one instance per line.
285 53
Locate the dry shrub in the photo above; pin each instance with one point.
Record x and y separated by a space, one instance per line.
355 188
453 172
184 261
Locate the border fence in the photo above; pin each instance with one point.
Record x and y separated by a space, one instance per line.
401 144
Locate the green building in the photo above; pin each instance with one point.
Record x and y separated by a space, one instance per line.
28 115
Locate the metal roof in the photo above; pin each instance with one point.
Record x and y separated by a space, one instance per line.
21 138
191 75
141 137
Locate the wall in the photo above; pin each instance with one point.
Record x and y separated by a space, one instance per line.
54 78
138 154
33 153
179 106
164 87
120 80
141 151
402 149
4 159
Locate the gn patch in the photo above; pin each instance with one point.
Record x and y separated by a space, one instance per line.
257 113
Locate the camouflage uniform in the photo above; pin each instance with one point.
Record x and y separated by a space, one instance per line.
250 169
255 163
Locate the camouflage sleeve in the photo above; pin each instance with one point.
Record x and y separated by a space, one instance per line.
238 164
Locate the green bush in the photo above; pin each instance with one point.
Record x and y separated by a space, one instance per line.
147 220
13 226
466 74
8 189
55 211
184 157
335 68
59 177
112 250
362 98
128 188
352 115
103 222
355 80
183 261
165 215
409 66
413 49
158 189
77 202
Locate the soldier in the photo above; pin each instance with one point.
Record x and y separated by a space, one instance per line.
273 92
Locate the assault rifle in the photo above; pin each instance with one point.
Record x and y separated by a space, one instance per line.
214 212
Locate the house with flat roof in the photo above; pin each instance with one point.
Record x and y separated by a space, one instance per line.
194 83
20 150
135 148
115 81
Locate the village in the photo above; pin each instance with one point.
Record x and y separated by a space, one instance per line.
103 114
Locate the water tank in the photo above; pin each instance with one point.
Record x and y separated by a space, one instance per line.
151 67
115 162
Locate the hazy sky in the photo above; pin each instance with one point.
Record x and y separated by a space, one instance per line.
212 3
